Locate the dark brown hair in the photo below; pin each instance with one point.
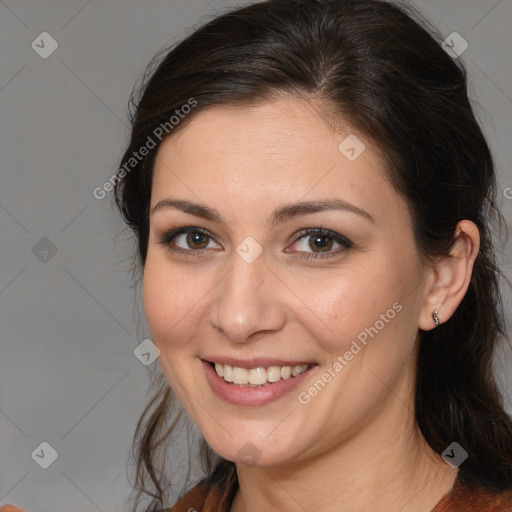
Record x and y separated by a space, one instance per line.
380 66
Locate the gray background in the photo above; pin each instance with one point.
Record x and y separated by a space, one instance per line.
69 325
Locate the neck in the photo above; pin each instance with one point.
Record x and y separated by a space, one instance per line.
387 465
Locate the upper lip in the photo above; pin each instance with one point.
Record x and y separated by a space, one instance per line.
254 362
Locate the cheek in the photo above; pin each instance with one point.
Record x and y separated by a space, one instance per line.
157 300
171 299
339 308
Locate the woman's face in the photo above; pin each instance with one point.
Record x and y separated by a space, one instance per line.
255 289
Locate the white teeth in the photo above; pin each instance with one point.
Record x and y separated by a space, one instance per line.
258 376
240 375
286 372
297 370
274 373
228 373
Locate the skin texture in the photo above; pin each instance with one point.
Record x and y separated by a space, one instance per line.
355 445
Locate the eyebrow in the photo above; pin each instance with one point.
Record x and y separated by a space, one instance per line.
282 214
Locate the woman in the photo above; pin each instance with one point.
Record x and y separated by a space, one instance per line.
312 199
379 291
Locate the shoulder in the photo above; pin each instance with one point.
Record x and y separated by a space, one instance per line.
213 493
204 497
475 498
194 499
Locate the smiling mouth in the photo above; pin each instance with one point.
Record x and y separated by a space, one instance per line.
260 376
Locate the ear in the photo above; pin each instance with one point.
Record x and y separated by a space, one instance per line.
451 276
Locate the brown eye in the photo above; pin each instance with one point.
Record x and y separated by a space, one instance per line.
195 237
191 240
321 242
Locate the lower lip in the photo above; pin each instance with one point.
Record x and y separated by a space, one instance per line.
246 395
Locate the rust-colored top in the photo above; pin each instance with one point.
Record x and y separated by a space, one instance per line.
462 498
208 497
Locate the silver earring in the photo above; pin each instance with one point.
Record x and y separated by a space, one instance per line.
435 317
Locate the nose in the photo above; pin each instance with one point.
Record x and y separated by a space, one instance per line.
247 303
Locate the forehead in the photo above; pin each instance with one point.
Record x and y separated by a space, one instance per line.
286 126
275 151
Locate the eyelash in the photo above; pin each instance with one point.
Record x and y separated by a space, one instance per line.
168 237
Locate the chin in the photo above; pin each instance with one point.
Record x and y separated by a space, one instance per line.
253 450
